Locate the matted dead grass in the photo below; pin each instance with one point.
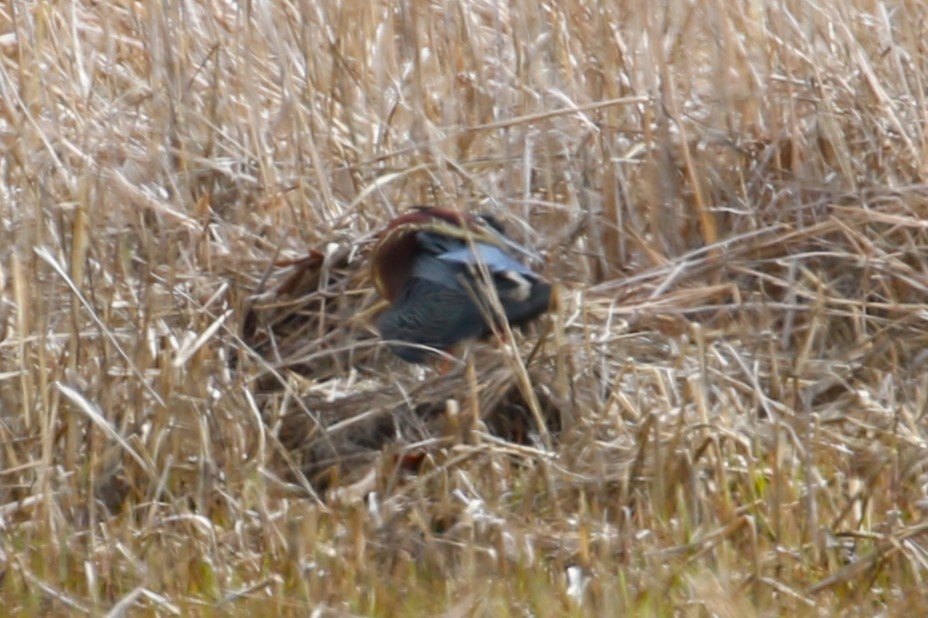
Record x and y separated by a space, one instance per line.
725 415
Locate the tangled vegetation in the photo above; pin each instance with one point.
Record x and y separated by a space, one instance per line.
725 414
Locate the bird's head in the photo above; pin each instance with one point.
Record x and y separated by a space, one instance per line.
392 257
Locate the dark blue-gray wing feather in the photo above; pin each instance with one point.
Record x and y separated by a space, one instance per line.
457 251
442 304
429 314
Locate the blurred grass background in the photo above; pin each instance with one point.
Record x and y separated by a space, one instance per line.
731 197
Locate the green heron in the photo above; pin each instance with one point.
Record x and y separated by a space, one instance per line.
435 267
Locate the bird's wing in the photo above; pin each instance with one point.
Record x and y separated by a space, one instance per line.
437 244
437 316
457 251
434 269
496 259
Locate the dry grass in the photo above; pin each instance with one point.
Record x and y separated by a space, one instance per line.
725 416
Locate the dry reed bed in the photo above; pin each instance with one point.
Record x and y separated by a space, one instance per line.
732 197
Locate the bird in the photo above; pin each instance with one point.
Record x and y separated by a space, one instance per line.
436 268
